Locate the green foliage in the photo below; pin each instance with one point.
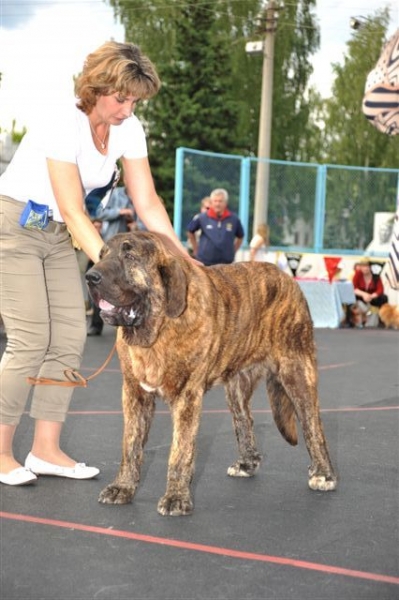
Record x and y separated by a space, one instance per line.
196 106
297 38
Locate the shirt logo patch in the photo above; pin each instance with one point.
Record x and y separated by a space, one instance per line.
229 226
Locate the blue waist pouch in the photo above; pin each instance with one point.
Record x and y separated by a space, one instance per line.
34 215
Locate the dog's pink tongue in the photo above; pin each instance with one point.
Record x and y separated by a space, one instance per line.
104 305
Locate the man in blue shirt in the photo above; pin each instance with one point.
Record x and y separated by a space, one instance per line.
221 231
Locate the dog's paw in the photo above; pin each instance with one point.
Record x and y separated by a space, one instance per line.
241 469
116 494
174 505
322 483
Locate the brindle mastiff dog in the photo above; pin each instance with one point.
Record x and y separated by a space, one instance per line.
183 328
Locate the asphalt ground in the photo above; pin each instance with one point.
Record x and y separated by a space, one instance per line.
268 537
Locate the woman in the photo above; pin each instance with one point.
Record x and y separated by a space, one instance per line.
41 295
259 244
369 291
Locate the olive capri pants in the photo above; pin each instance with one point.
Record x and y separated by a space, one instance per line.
42 307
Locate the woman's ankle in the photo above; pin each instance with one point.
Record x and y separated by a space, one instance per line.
8 463
55 456
46 444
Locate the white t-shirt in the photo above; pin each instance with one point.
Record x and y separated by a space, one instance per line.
258 244
67 137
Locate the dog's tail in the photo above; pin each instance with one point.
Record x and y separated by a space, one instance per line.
283 410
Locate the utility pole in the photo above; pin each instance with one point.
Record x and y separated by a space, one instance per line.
269 26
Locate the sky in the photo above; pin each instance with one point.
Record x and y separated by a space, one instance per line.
43 43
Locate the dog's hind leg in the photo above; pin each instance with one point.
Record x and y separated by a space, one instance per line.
298 376
138 411
186 412
239 392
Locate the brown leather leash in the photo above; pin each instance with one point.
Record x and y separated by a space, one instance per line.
73 378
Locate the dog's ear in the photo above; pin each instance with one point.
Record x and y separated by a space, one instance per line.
175 284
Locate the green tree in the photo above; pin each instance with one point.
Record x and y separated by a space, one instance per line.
196 105
297 38
158 27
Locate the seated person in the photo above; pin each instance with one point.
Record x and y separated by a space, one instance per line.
369 292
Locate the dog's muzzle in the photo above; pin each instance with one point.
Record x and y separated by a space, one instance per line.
111 314
93 277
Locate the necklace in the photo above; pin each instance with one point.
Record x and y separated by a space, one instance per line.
102 142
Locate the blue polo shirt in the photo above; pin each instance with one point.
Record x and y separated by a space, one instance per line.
216 243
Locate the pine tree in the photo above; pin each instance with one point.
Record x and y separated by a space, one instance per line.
297 38
196 106
196 103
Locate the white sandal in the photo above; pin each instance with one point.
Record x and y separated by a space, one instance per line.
18 476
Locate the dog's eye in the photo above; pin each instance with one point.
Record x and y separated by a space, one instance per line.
126 246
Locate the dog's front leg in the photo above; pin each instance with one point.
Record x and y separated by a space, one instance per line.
138 411
186 411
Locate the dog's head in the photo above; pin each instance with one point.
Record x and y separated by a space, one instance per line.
137 283
355 316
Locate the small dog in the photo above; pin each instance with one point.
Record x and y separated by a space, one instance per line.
389 315
355 316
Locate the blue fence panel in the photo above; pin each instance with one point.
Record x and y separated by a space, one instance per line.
291 203
197 173
352 196
311 207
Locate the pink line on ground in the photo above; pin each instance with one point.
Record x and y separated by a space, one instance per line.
266 558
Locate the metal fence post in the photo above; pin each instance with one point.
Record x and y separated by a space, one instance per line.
178 204
320 208
244 196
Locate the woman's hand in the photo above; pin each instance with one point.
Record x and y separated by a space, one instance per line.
193 260
149 206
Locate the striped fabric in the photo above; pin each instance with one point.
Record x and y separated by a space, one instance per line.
381 98
381 108
392 270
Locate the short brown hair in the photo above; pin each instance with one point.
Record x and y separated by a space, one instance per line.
264 231
116 67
